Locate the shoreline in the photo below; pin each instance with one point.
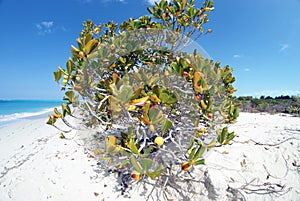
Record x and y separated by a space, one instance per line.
13 111
35 164
8 119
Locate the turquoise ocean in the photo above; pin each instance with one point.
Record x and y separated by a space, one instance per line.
17 110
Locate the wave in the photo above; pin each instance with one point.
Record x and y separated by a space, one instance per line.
23 115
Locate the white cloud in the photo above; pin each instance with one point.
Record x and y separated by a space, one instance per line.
283 47
235 56
247 69
45 27
47 24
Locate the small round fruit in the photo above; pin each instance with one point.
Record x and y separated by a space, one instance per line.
186 166
135 175
159 141
80 54
65 81
198 97
210 115
200 134
203 130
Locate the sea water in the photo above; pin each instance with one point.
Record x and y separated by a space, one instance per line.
16 110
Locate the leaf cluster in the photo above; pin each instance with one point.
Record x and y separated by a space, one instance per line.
134 81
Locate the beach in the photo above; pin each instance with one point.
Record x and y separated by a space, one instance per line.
263 163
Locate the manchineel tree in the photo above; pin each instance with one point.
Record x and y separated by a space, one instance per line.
156 107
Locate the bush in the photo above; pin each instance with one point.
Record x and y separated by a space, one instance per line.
157 108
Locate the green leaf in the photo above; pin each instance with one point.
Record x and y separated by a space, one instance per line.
132 146
57 75
69 65
123 60
57 112
156 173
172 99
70 95
62 70
222 137
191 155
230 136
212 144
125 93
136 94
210 4
90 46
148 151
199 152
175 67
135 164
50 121
167 124
155 115
150 10
88 37
146 164
200 162
65 109
124 164
163 97
235 113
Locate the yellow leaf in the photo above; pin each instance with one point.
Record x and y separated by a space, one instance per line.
155 99
197 77
145 120
112 140
183 4
132 108
89 46
140 101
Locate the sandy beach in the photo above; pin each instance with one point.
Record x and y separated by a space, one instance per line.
262 164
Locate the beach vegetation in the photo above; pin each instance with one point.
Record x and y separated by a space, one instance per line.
156 109
277 104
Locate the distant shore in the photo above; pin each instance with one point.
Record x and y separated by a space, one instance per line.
12 111
262 164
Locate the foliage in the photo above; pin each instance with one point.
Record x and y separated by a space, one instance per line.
155 105
279 104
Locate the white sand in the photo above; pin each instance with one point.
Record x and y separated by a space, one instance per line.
36 165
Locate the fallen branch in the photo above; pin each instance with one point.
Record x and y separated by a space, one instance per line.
276 144
263 189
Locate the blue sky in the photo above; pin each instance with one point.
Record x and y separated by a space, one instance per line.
258 38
